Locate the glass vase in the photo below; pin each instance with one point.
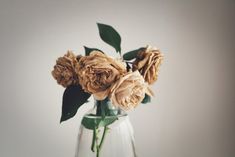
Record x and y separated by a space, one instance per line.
105 131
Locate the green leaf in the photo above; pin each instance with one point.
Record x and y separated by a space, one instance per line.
74 96
93 122
109 35
90 122
89 50
132 54
146 99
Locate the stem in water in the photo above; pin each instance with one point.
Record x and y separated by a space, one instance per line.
103 137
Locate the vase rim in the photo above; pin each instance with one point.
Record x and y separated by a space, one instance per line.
119 115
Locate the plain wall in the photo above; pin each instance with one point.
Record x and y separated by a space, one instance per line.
192 114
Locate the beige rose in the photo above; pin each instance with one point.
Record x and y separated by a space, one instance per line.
97 72
128 91
64 71
148 62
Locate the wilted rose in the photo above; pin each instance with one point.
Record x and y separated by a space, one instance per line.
64 71
97 72
128 91
147 62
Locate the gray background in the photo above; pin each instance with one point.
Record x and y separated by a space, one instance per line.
192 113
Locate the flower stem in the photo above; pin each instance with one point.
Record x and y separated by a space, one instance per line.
103 137
97 145
102 111
93 141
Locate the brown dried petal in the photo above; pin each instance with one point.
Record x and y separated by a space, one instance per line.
97 72
148 62
64 72
128 91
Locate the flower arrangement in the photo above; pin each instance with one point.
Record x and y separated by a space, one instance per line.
124 81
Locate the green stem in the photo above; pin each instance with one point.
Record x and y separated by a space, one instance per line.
103 137
97 146
93 141
99 108
101 111
98 113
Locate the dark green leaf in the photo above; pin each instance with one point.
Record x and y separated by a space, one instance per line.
109 35
74 96
89 50
146 99
90 122
132 54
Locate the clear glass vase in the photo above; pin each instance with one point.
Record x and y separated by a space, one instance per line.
105 131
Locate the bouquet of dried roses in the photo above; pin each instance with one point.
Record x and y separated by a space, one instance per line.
123 81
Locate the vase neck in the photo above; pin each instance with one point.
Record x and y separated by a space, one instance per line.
106 108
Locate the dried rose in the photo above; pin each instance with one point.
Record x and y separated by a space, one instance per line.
97 72
128 91
64 71
147 62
